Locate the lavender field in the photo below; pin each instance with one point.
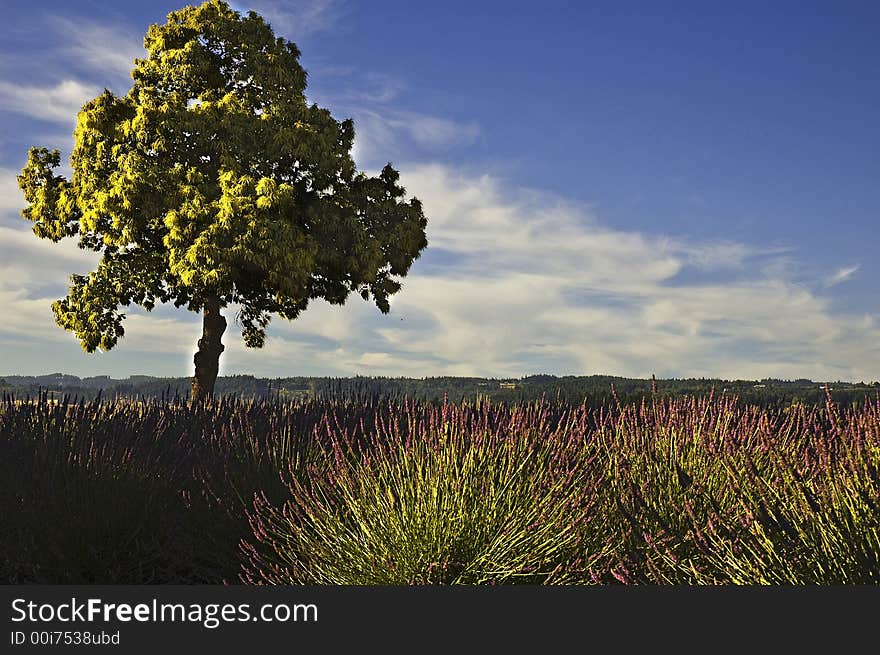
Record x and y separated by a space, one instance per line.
671 491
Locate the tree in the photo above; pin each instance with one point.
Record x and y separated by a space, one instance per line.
212 182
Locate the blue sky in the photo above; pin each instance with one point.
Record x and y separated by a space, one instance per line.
686 189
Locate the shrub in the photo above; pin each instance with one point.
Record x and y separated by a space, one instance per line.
455 494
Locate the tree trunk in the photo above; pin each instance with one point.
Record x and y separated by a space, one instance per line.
207 359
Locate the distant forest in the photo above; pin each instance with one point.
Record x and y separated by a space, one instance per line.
594 390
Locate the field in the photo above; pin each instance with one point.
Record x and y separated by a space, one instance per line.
688 490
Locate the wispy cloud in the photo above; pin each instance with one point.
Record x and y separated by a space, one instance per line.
535 284
108 50
29 262
383 134
385 128
729 255
11 200
95 54
296 19
539 285
59 103
841 275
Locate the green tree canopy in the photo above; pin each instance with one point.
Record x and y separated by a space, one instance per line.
213 181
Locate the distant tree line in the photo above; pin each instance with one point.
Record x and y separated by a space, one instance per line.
594 390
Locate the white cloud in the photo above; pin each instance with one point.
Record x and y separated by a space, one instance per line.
433 130
296 19
841 275
26 318
383 134
58 103
94 55
28 262
537 285
101 52
720 256
105 49
515 283
11 199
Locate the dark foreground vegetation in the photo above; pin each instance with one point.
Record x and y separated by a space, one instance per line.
707 490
